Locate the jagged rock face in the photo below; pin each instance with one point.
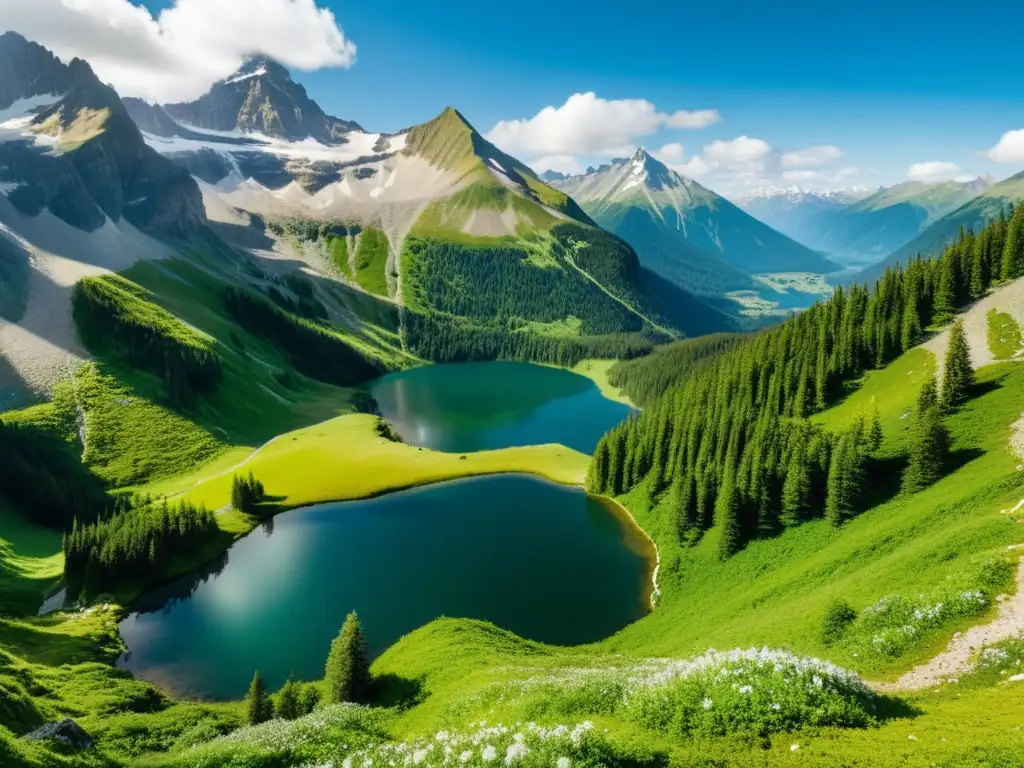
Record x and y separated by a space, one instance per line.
67 732
82 156
28 69
262 98
152 118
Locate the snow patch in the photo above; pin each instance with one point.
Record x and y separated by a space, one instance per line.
23 108
7 187
358 145
397 143
258 73
632 183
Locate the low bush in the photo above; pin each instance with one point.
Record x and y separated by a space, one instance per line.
757 692
838 617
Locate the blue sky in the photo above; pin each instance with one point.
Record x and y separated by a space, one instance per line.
872 88
890 84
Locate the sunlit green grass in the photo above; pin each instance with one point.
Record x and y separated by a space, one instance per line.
1004 335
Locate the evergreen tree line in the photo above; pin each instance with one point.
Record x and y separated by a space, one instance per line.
140 536
445 339
730 444
649 377
115 315
346 679
494 284
246 493
314 350
41 476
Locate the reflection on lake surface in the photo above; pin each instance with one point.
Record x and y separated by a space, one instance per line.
480 406
544 561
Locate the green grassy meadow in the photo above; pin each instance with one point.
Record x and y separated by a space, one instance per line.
311 442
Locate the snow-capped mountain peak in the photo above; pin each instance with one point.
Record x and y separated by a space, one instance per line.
797 194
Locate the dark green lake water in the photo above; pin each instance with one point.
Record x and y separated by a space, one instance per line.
544 561
479 406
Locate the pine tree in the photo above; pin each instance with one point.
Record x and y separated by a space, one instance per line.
597 472
727 511
348 665
958 375
979 265
258 706
288 705
928 450
796 489
928 396
875 434
1013 247
945 293
844 477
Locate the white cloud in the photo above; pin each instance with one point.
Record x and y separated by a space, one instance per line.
847 173
934 170
811 157
589 125
742 153
700 118
670 153
563 163
799 175
178 54
1009 149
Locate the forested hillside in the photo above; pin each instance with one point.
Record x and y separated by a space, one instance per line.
729 446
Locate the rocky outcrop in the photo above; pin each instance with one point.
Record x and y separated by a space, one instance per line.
67 732
83 157
262 98
28 69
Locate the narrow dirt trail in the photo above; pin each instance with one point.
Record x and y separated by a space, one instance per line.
957 659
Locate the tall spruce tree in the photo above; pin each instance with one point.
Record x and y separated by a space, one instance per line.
1013 248
928 396
258 706
348 664
958 375
945 293
796 489
928 450
727 511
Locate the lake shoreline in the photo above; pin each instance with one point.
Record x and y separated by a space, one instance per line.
622 510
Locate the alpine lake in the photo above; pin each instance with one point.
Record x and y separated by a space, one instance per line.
545 561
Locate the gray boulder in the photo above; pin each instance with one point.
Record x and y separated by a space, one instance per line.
67 732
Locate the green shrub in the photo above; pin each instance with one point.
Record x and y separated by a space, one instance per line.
838 617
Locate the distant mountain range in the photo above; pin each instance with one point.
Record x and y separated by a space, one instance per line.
973 214
480 256
684 231
798 213
859 229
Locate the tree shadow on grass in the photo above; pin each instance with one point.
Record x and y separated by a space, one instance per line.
390 690
960 458
883 480
895 708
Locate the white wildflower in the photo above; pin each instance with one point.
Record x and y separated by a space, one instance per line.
465 756
563 762
489 753
707 704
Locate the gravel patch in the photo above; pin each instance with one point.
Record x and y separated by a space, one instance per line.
1007 298
957 660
